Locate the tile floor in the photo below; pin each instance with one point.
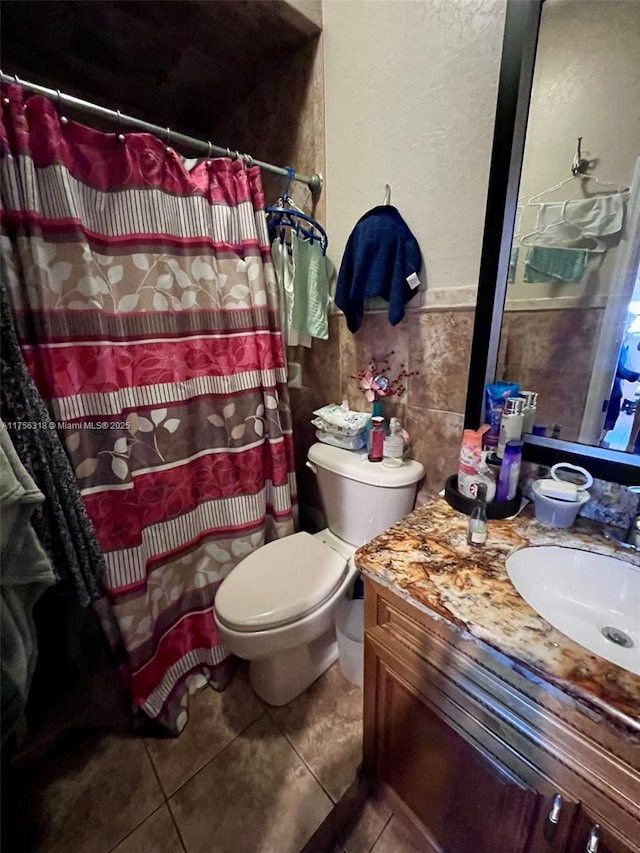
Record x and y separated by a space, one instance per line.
242 778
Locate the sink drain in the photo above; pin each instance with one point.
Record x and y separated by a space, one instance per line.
615 635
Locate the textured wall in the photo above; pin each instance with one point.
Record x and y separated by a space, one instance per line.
410 100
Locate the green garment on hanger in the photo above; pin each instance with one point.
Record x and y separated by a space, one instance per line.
550 263
312 272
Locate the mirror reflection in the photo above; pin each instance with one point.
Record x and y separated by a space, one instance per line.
571 324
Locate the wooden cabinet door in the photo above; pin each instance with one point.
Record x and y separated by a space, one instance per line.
465 799
554 825
605 839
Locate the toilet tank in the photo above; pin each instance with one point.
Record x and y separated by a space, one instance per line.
362 498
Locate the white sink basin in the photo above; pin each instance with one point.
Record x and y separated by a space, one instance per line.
591 598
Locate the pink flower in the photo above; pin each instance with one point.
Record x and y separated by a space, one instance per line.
369 386
374 381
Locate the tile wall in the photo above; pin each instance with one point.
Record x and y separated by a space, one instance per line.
436 342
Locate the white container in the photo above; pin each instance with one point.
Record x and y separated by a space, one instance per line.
350 634
554 512
362 499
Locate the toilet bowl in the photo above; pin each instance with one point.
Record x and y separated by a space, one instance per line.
276 609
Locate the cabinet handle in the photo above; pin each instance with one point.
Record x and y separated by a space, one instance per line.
556 808
594 840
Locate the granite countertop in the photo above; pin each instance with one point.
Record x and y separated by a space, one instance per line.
426 560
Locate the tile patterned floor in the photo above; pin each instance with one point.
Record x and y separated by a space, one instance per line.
242 778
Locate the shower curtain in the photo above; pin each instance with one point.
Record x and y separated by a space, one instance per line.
146 308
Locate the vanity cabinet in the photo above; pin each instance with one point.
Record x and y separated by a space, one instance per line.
474 761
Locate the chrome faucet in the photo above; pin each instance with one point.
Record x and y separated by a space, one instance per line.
629 538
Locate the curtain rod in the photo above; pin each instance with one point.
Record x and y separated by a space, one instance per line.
314 182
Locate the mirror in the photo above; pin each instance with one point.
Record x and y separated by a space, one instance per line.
572 312
564 319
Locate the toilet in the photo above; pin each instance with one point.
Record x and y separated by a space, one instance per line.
276 609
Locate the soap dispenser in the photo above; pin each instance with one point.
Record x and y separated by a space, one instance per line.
393 445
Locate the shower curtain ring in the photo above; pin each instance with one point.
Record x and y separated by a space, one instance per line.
120 133
209 154
63 119
168 140
238 155
249 160
228 154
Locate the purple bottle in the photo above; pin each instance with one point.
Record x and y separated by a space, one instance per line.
509 471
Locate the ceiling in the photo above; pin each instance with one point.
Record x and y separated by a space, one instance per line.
181 64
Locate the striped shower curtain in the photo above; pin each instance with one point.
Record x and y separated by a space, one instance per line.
146 308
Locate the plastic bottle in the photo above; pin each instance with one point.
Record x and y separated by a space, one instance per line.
477 530
511 422
483 476
510 471
393 443
530 410
470 457
376 451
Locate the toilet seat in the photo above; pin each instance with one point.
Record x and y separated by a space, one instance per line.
279 583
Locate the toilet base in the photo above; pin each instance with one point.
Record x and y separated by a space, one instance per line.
283 676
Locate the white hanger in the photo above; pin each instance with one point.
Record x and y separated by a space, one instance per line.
598 245
535 199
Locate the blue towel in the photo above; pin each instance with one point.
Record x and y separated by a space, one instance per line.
380 255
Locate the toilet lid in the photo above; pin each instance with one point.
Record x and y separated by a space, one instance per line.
279 583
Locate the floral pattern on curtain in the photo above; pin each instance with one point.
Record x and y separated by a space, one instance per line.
147 312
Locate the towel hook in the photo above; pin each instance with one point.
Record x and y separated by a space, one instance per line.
579 165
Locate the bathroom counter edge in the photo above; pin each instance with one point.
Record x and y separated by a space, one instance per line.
425 559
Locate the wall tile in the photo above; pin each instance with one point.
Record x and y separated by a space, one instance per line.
375 339
436 442
547 339
440 348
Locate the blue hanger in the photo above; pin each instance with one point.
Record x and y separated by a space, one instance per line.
285 214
